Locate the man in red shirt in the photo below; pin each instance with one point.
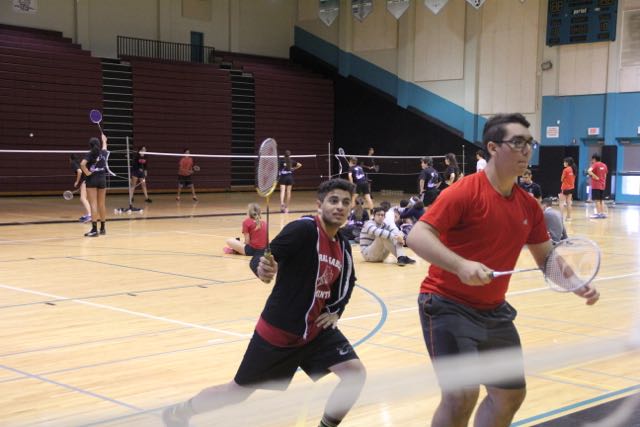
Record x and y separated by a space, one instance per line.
185 171
598 173
479 225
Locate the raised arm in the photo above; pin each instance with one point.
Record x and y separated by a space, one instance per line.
104 141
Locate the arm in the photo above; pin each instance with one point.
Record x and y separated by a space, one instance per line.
421 186
451 179
592 175
425 242
297 166
78 176
247 238
83 166
350 175
104 141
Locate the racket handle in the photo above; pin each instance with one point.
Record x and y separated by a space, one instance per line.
495 274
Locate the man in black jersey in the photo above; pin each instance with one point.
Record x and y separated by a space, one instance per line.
358 177
313 267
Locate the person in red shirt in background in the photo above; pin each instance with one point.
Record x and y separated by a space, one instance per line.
185 170
567 184
479 225
255 234
598 173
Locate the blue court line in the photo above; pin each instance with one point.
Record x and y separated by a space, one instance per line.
70 387
128 359
383 316
575 405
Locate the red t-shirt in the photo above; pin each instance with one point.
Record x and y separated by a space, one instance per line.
479 224
329 269
185 166
601 170
257 236
568 179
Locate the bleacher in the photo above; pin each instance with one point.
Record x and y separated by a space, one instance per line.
183 105
48 85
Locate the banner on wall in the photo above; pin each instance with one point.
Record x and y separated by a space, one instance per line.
398 7
476 3
25 6
553 131
435 5
361 9
328 11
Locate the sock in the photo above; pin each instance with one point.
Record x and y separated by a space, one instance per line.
101 225
327 421
94 226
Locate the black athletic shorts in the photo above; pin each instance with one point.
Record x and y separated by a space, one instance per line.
96 180
286 179
450 328
597 194
429 197
362 188
567 192
138 173
185 181
251 251
266 366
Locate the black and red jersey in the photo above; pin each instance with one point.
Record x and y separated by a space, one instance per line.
315 275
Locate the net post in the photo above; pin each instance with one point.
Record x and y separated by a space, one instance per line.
463 160
329 159
129 172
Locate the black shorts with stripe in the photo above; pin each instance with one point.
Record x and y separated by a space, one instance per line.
450 328
266 366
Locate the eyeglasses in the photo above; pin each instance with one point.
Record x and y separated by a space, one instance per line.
519 142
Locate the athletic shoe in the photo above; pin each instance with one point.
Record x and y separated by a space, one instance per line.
92 233
402 261
195 199
602 216
147 200
595 216
103 231
172 419
85 218
228 250
409 260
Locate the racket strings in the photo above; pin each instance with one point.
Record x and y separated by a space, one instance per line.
572 265
267 171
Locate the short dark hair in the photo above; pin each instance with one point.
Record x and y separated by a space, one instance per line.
494 128
376 210
480 153
547 201
596 157
353 159
427 160
385 205
404 203
335 184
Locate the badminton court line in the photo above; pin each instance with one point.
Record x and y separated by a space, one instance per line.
125 311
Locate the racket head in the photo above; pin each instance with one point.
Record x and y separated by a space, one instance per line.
572 264
68 195
341 152
95 116
267 167
196 168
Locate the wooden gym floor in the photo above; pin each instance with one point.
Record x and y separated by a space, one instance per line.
106 331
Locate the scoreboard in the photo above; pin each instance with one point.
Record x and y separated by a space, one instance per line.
581 21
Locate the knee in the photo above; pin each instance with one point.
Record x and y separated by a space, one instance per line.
461 402
508 400
353 373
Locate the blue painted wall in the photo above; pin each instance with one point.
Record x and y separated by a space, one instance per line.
616 114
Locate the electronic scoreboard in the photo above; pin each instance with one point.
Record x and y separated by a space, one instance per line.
581 21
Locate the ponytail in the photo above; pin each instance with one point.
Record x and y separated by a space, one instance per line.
253 211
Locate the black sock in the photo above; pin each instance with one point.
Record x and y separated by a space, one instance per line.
101 225
327 421
94 226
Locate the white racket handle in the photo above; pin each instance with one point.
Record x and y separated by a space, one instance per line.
505 273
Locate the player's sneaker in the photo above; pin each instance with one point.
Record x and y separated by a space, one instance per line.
228 250
92 233
409 260
172 419
85 218
103 231
402 261
148 200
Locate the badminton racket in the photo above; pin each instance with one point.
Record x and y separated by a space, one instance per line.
96 117
267 176
196 168
341 156
571 265
68 195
